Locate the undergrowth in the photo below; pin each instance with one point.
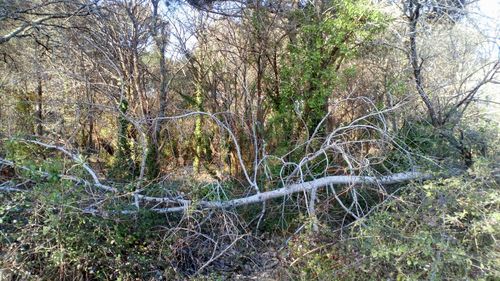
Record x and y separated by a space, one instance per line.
441 230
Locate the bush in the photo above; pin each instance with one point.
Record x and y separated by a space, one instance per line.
440 230
45 235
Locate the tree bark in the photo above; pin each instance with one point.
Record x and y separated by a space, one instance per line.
39 110
158 31
414 11
294 188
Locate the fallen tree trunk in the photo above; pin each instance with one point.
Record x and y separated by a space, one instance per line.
301 187
183 204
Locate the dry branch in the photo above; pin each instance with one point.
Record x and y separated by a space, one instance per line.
182 205
265 196
305 186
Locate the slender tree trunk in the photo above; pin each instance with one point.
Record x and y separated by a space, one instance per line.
90 100
124 163
160 37
155 144
90 138
414 11
197 129
39 110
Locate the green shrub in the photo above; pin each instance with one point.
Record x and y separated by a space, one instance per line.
44 234
443 230
440 230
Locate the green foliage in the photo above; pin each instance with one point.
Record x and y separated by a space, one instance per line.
123 166
311 260
270 74
441 230
19 152
418 139
310 70
55 241
152 165
423 138
25 112
36 162
39 164
198 134
456 145
444 230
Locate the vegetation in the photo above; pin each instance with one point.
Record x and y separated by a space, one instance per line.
269 140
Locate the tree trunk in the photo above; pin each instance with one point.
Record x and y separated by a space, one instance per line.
414 10
198 138
160 37
39 110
